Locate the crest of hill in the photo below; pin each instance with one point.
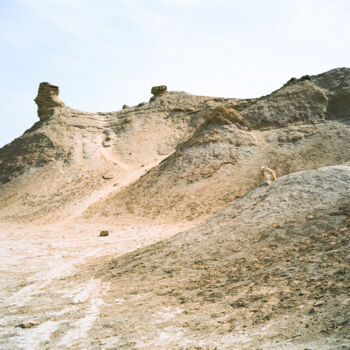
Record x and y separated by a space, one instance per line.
197 153
63 159
289 130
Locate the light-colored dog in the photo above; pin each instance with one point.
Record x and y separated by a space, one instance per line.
269 174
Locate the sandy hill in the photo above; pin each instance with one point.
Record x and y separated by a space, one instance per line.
258 267
198 153
295 128
271 271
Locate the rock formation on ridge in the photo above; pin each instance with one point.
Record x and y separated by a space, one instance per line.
47 100
203 151
158 91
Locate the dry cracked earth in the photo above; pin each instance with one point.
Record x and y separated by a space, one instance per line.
201 254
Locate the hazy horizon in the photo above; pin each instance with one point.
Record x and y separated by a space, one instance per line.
105 54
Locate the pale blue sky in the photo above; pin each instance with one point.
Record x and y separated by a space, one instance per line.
104 53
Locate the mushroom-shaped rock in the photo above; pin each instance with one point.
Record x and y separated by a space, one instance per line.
158 91
47 100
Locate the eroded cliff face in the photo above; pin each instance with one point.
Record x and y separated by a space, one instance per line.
197 153
34 151
39 145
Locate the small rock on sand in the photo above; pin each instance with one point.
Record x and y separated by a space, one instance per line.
27 325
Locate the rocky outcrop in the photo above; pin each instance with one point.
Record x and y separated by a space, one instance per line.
298 102
47 100
27 152
230 114
158 91
336 84
295 80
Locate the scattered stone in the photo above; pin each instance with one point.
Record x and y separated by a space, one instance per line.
119 301
309 217
343 322
318 303
295 80
47 100
294 137
184 110
291 81
312 311
27 325
305 77
104 233
125 107
107 176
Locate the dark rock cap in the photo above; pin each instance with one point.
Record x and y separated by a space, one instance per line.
157 90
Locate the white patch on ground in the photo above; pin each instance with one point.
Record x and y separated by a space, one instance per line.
236 338
64 311
167 314
35 262
169 336
23 296
86 291
80 328
31 338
